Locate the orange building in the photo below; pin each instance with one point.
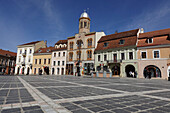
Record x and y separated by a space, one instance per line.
7 62
153 51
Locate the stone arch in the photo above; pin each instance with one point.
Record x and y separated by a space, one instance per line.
153 70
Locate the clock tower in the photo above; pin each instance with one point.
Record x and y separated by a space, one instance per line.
84 23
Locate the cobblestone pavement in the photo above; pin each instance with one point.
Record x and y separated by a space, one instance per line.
69 94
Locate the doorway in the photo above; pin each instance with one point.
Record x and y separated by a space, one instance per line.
130 70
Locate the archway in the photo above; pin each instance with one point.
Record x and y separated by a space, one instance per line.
23 70
152 70
62 71
28 71
116 70
168 71
129 69
18 71
53 71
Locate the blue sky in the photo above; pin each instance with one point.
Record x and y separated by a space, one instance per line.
23 21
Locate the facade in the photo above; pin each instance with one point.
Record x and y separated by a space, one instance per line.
116 54
154 54
81 48
7 62
58 59
24 58
42 61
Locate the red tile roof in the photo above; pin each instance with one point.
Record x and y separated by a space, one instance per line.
30 43
7 53
45 50
154 33
61 42
113 40
119 35
160 37
59 49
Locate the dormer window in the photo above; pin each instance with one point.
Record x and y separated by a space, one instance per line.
150 40
122 42
105 44
39 51
48 50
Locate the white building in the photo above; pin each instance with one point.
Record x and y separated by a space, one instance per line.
24 58
58 65
81 48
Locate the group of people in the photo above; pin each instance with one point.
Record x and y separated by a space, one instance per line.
148 74
133 74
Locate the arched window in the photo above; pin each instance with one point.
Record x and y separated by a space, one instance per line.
89 54
71 45
81 24
70 56
54 54
79 43
59 54
89 42
85 24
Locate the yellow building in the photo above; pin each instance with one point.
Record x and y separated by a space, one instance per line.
42 61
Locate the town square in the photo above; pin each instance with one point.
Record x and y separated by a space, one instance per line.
95 57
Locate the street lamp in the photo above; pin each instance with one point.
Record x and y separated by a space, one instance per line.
79 44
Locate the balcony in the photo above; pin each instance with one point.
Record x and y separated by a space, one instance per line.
24 54
23 63
114 61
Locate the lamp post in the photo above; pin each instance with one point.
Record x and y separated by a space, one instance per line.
79 43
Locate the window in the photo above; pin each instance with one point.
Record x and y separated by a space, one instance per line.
30 51
143 54
35 61
29 59
34 70
54 54
53 63
25 52
122 42
44 61
71 45
18 61
58 71
150 40
89 41
79 43
48 61
64 53
105 57
98 57
63 63
39 61
89 54
105 44
122 56
81 24
114 57
156 54
130 55
59 54
58 63
21 51
71 56
85 24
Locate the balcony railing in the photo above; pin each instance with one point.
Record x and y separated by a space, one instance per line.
114 61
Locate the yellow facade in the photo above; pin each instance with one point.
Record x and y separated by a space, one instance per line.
41 63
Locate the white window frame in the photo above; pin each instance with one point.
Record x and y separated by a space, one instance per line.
146 54
148 40
121 56
159 54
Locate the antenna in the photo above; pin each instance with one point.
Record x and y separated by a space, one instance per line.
87 10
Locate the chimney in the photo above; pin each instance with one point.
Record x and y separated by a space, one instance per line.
141 30
116 31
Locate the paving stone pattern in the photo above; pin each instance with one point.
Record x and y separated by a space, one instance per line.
64 94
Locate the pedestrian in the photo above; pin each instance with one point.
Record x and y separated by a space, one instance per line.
130 73
149 74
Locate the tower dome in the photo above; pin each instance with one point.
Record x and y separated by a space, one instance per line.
84 14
